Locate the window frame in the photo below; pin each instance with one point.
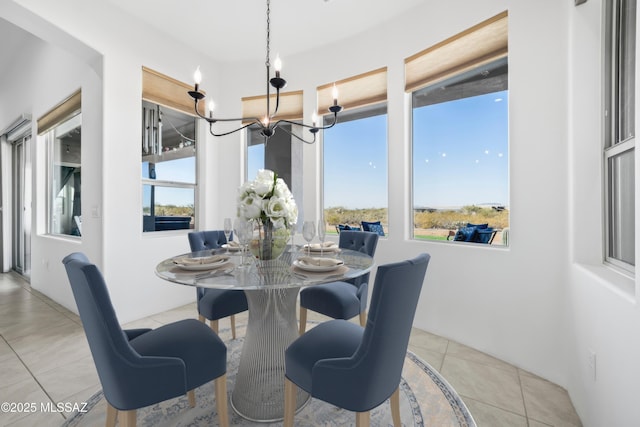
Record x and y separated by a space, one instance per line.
160 183
50 134
614 144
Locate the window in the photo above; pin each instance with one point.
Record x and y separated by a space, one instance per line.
168 169
619 146
355 152
460 154
460 151
355 168
168 154
61 128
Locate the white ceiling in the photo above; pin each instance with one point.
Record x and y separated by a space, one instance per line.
232 30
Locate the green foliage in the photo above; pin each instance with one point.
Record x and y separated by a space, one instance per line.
451 219
446 219
340 215
172 210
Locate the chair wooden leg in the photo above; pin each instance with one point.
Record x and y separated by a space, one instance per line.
201 318
221 400
191 395
363 318
303 320
112 415
395 408
214 326
127 418
362 419
289 402
233 326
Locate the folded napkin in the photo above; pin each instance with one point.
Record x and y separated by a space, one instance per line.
325 245
202 260
323 262
233 244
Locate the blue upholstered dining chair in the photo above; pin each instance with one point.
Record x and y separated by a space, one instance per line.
359 368
216 304
341 300
142 367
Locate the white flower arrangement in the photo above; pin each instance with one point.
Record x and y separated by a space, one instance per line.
267 198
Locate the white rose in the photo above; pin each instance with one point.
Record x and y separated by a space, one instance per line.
292 209
243 191
276 208
263 183
251 207
281 189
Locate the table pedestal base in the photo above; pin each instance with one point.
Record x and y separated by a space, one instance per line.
258 394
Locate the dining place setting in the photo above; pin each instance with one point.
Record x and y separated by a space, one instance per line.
311 261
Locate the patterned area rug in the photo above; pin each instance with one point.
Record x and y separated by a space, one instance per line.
426 399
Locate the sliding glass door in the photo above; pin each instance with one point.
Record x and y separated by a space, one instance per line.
21 205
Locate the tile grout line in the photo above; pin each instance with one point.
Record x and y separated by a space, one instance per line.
30 373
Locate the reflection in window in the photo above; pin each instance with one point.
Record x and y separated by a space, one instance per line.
65 213
168 169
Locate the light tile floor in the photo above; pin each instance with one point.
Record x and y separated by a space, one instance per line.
45 359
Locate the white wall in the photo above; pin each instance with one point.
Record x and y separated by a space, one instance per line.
112 198
602 309
539 304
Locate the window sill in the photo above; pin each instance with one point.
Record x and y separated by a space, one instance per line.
616 281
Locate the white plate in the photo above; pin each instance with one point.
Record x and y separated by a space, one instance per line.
203 266
316 249
231 248
316 268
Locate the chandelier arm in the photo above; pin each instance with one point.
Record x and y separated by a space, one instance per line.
277 104
213 119
335 121
227 133
296 136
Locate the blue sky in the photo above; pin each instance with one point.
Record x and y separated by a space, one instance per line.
460 156
460 152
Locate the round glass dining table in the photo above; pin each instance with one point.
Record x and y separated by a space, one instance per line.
272 289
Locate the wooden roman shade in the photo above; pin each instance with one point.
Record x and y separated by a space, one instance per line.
290 106
60 112
353 92
476 46
168 92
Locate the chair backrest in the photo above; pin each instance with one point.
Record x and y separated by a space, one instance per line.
115 360
210 239
361 241
378 361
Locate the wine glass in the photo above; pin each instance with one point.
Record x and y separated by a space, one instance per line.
244 231
322 233
227 230
308 232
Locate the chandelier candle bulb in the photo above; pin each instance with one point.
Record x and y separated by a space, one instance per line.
211 106
335 95
277 64
197 78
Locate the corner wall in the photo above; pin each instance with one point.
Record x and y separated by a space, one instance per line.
602 305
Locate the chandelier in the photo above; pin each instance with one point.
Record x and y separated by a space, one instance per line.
267 124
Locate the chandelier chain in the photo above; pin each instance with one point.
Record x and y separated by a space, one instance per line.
268 33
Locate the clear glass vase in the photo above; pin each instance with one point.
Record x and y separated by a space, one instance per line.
268 243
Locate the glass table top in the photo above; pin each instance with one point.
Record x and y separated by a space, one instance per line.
293 269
